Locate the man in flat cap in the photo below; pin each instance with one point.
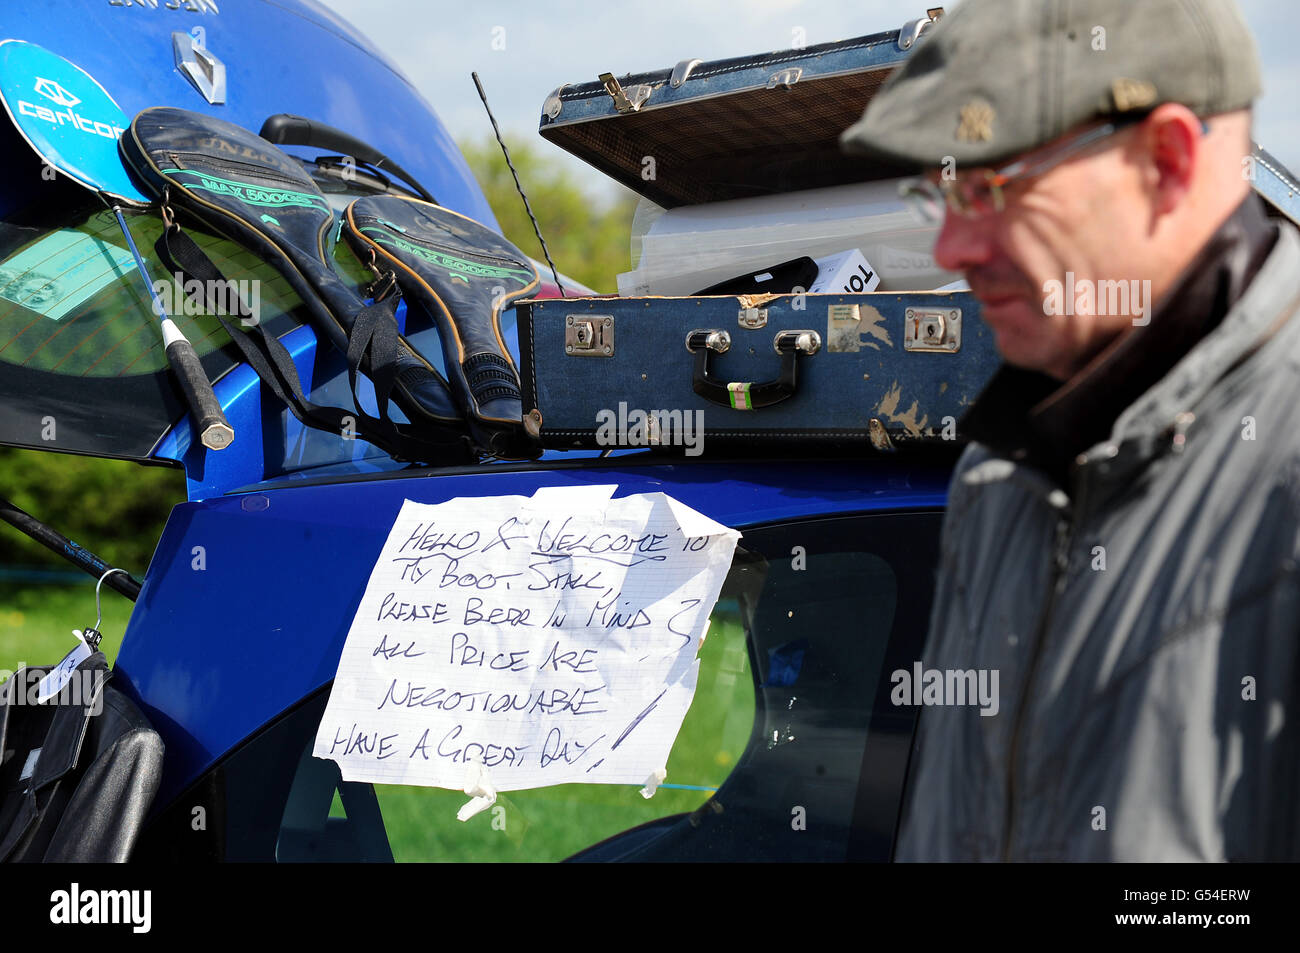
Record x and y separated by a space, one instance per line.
1122 540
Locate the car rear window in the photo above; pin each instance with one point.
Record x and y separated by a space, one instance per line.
82 364
791 749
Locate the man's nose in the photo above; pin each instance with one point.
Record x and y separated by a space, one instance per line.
962 242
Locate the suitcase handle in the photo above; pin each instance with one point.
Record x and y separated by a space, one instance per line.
746 395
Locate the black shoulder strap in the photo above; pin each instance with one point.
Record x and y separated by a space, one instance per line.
273 364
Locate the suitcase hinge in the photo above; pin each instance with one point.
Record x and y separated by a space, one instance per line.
879 435
625 100
785 77
912 29
551 108
533 423
682 72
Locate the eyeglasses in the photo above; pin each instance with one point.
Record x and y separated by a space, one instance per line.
979 193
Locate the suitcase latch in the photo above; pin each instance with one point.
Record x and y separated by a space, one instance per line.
625 100
589 335
932 329
752 318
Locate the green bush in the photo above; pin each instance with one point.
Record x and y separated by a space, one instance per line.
588 239
114 508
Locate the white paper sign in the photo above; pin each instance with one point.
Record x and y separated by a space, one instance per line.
550 639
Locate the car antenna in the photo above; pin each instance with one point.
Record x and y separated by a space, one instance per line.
506 152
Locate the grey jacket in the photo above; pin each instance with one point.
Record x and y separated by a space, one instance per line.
1145 634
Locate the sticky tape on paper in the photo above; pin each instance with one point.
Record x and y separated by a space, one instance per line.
694 523
652 783
478 785
590 495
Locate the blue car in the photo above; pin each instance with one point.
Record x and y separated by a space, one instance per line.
792 749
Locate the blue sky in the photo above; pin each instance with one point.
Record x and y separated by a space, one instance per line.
437 44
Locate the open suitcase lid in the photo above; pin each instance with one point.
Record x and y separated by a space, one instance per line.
733 128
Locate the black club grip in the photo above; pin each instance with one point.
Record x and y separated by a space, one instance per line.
214 431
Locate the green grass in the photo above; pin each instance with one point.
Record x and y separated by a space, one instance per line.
36 624
552 823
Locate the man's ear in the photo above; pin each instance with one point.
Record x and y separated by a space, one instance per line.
1171 141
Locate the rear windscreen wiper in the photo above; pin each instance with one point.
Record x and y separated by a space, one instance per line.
288 130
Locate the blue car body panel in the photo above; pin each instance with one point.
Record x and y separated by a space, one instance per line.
290 56
249 597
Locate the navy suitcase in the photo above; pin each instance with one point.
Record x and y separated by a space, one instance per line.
751 371
744 372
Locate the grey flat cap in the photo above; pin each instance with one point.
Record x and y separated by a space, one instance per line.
996 78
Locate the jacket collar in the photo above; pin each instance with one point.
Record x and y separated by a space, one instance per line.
1153 423
1143 381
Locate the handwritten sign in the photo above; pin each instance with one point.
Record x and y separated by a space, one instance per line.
547 639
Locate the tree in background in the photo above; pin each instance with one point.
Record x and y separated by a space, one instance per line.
118 509
115 508
588 238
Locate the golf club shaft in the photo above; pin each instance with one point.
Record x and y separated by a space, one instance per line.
56 542
214 430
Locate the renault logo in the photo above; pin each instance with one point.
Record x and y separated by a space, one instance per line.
52 90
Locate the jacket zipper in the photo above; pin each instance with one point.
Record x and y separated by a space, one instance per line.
1060 563
201 162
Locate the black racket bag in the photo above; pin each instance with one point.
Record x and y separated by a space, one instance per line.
461 275
245 188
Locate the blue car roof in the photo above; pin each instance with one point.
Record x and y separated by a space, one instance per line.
287 56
